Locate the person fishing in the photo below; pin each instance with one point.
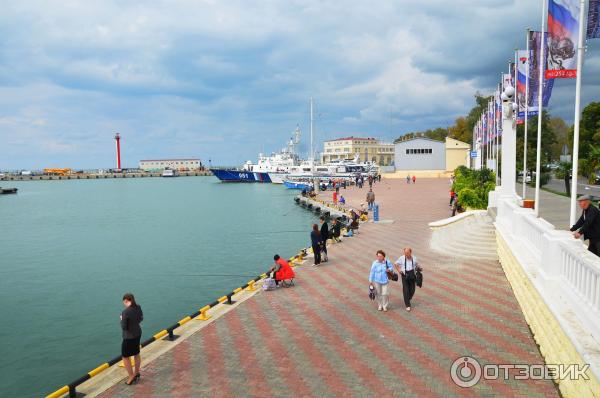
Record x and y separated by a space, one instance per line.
131 317
281 271
336 230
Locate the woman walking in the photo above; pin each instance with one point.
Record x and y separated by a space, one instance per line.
131 317
406 266
315 239
378 279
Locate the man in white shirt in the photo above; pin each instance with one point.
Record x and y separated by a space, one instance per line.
406 266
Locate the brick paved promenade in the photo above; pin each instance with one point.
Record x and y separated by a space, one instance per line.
325 338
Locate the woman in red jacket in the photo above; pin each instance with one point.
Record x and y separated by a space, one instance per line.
282 270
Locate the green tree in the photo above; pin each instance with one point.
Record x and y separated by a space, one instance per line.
548 141
438 134
561 130
460 131
589 132
481 104
592 163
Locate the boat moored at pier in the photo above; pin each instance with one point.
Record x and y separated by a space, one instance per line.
240 175
289 184
278 164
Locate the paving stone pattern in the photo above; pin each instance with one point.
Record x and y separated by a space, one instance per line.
325 338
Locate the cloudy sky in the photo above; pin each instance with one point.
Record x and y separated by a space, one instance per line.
228 79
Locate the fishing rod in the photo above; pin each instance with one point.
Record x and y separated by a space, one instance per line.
207 275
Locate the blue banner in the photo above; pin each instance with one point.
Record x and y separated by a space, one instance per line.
593 25
534 75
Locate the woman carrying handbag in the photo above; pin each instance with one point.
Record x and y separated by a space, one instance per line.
381 272
408 266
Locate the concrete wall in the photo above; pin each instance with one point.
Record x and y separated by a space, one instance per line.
420 161
457 154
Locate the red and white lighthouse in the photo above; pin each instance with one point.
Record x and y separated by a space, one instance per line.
118 140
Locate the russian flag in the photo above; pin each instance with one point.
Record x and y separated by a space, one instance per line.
563 29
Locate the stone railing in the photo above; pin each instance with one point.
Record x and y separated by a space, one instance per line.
564 275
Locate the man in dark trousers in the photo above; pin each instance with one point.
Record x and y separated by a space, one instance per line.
588 224
324 237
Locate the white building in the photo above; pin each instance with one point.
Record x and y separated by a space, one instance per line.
366 149
428 157
174 164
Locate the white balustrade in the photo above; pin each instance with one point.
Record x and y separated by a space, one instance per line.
561 269
582 274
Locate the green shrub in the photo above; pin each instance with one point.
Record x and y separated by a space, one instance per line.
473 186
467 197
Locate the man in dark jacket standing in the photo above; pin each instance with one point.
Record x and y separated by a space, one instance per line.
588 224
324 237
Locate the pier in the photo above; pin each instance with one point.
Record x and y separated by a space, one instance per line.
97 176
324 337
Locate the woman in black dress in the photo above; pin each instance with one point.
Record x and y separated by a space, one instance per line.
131 317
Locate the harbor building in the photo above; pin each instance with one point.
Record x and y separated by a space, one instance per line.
173 164
366 149
430 158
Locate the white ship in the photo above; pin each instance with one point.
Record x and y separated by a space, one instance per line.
346 169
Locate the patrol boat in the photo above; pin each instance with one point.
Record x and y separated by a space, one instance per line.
276 164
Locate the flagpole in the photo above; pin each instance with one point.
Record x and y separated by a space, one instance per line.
485 141
515 85
526 117
491 123
575 167
498 125
540 109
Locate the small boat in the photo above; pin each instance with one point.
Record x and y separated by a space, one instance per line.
170 173
6 191
296 184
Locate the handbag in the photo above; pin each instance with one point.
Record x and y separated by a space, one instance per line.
393 276
372 293
419 278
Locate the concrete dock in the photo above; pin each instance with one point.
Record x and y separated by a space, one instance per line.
97 176
325 338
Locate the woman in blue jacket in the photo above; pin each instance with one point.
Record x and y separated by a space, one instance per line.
378 279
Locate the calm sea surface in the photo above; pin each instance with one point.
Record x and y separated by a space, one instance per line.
70 249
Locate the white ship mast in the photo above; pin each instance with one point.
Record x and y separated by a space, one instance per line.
312 151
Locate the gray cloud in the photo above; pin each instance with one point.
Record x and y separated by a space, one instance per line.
229 79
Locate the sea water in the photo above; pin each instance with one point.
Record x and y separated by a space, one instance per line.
70 249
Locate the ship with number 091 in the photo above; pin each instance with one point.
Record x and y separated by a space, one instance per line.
267 168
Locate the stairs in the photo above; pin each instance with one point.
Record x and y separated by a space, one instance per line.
473 237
